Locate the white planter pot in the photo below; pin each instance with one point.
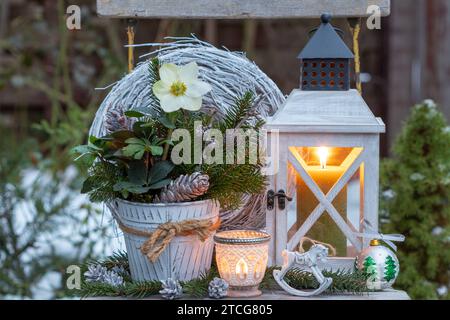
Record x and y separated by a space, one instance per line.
185 258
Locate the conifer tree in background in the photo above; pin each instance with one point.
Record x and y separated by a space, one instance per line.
415 193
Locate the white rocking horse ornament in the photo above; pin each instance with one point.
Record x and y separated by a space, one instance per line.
306 261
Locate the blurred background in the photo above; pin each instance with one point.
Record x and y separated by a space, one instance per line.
47 102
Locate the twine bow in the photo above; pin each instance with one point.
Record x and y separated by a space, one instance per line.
303 239
387 238
158 240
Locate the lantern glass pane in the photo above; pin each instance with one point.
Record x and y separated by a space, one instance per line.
328 184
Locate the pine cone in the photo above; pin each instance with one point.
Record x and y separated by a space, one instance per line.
121 271
171 289
113 279
99 273
116 120
95 273
184 188
217 288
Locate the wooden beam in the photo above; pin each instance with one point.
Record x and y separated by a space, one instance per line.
237 9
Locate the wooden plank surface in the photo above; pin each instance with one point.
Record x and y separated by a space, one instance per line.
388 294
237 9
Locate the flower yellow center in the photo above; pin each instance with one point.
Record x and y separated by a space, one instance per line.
178 88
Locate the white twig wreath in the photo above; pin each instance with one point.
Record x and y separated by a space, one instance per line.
229 73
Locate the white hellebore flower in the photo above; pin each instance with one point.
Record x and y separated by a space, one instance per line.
179 87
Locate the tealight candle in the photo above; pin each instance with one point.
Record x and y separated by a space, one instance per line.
241 257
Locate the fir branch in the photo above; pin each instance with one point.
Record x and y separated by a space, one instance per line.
229 182
268 282
347 282
117 259
99 289
103 175
142 289
153 69
344 282
199 287
237 114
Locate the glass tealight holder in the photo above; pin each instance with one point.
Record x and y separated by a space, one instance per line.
241 257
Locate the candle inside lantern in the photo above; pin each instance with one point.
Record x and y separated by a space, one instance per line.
241 257
242 269
323 155
325 174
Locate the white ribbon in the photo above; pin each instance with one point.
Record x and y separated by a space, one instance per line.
387 238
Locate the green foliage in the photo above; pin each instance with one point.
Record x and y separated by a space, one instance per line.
415 186
344 282
117 259
141 289
138 146
153 71
199 287
127 163
97 289
39 197
103 176
37 206
230 181
239 114
124 163
39 154
64 83
132 163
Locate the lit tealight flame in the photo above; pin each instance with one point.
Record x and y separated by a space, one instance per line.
241 269
323 155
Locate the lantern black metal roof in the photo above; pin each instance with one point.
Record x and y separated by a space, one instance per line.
325 60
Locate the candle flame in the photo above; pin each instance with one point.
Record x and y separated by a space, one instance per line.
242 269
323 155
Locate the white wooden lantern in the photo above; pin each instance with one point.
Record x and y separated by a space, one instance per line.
325 157
328 159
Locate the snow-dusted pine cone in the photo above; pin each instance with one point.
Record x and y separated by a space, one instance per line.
95 273
99 273
116 120
171 289
184 188
217 288
121 271
113 279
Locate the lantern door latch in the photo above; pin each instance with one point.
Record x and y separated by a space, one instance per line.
281 197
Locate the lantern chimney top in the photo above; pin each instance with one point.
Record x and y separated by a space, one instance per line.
325 60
